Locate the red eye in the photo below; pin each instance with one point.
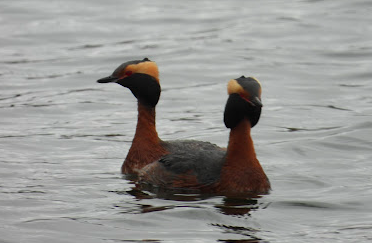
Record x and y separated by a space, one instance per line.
128 73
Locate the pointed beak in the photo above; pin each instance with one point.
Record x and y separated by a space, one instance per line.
109 79
254 111
256 102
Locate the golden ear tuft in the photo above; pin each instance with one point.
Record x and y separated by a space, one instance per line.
147 67
234 87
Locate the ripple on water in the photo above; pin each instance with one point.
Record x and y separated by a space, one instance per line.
63 136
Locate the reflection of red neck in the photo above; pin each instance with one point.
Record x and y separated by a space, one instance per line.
242 171
146 147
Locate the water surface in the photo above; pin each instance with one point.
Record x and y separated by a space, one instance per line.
63 136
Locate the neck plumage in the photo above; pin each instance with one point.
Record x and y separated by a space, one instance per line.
146 146
242 171
146 127
241 145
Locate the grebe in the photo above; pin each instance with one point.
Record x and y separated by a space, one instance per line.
207 168
142 78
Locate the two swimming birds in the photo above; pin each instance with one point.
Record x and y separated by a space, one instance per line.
190 164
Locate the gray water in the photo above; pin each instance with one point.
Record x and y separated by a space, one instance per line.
63 136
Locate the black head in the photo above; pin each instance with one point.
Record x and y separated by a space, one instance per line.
244 101
141 77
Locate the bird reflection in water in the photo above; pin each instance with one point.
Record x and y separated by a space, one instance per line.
230 205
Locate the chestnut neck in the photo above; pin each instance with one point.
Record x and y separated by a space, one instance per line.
146 146
146 125
240 145
242 171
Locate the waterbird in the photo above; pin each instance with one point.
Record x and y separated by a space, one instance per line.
190 164
142 78
208 168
